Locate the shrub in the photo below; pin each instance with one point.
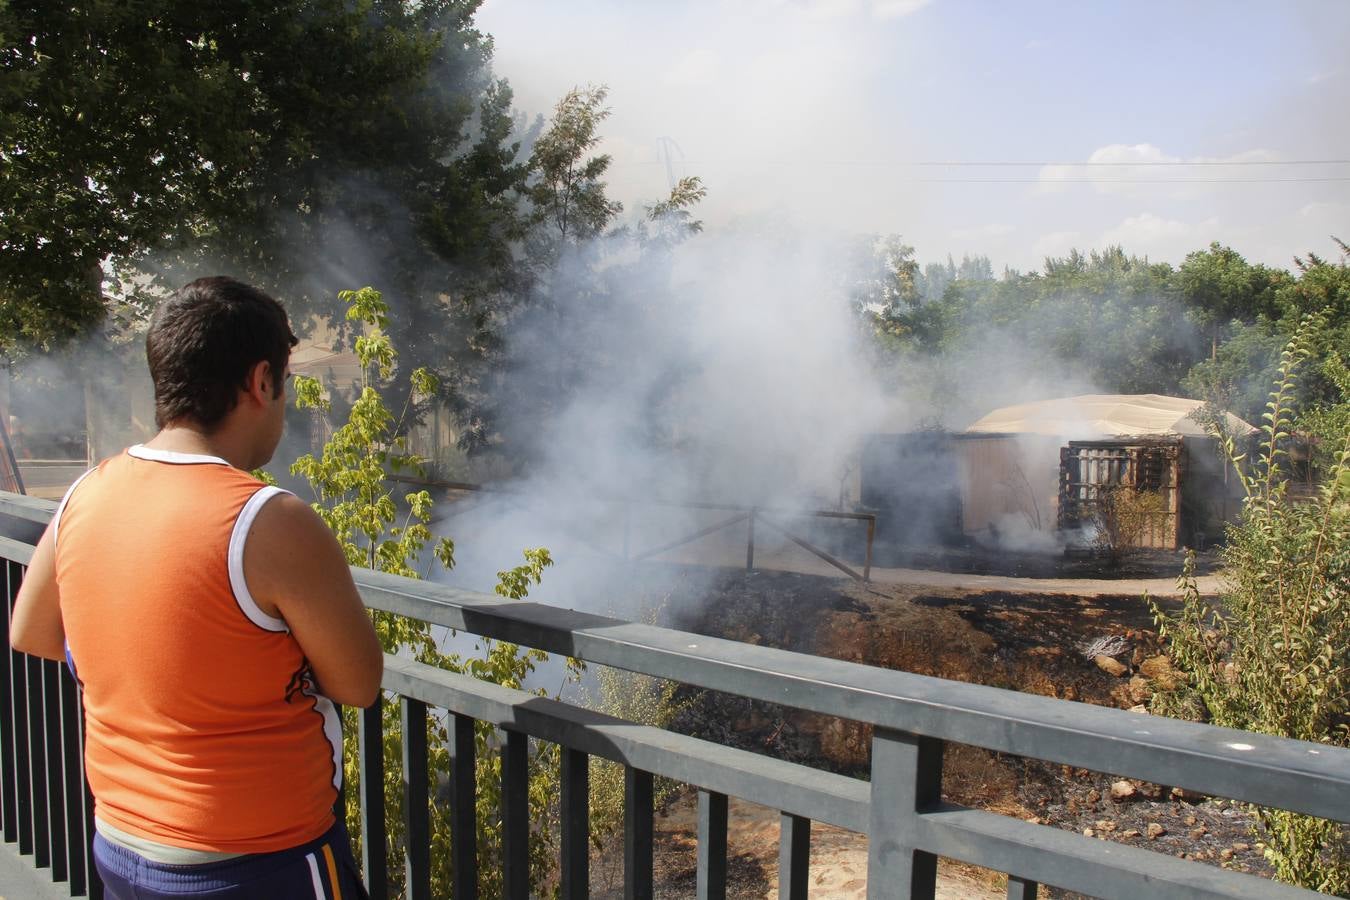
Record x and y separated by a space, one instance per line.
1272 653
353 497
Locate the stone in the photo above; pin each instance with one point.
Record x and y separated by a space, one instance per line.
1088 832
1139 688
1123 790
1139 708
1241 847
1094 796
1198 832
1155 831
1155 666
1226 853
1110 666
1189 820
1130 833
1179 793
1106 825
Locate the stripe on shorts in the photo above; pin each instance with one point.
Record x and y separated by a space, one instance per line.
332 871
314 876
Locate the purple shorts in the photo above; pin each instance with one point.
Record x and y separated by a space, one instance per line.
322 869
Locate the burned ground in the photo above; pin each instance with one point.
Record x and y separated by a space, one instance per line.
1036 643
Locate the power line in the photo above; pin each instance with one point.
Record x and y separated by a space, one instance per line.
994 164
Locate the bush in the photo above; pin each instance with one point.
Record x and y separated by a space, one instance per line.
1125 515
352 496
1272 653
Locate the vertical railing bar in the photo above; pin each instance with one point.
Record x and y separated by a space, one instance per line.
55 787
906 780
9 811
370 749
463 808
37 764
712 846
90 869
72 770
794 856
417 809
638 834
1021 888
871 539
576 828
515 816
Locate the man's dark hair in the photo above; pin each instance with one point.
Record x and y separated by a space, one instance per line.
203 342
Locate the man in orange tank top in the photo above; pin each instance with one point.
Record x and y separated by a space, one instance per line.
213 625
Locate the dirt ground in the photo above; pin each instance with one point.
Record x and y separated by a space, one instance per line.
1023 639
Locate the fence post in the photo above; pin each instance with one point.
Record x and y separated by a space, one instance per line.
750 543
906 778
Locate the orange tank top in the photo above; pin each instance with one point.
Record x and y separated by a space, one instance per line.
202 726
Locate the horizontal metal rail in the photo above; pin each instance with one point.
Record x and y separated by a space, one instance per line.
899 809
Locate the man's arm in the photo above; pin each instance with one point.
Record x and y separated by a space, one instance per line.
294 569
37 628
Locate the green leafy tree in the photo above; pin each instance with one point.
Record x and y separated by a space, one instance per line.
352 494
1272 654
1222 287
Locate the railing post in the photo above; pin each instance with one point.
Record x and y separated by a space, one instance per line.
638 834
750 543
417 853
575 810
712 846
871 537
72 767
794 857
463 810
9 809
37 764
906 778
1021 889
55 788
516 816
370 749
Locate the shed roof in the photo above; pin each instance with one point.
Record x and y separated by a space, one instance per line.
1103 415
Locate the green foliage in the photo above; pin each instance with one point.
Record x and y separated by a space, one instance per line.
569 191
352 495
1273 653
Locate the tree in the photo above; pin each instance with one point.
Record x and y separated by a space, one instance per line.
283 141
352 495
1222 287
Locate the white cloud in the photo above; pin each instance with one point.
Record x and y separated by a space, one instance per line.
1125 168
1158 238
896 9
978 232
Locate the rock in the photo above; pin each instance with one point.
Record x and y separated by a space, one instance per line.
1088 832
1179 793
1241 847
1155 666
1139 689
1155 831
1189 820
1130 833
1094 796
1141 708
1225 853
1112 667
1199 832
1106 825
1123 790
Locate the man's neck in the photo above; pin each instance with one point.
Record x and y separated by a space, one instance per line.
188 438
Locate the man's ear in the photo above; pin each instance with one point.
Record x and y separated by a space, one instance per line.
260 382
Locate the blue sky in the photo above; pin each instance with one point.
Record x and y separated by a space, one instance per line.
820 112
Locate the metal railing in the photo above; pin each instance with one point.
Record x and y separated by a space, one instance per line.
900 809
